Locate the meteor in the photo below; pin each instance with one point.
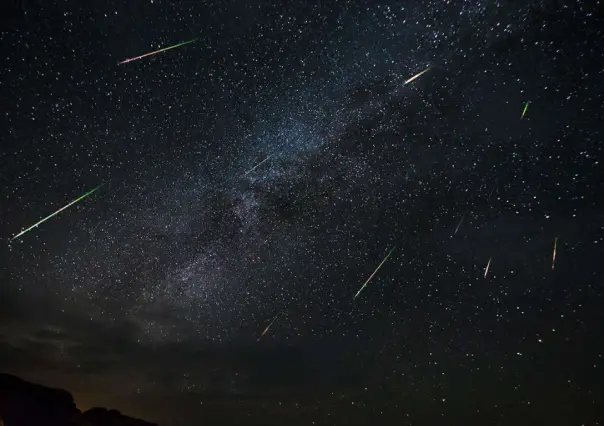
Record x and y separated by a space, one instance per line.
257 165
374 272
524 111
554 257
266 329
55 213
486 270
458 225
490 193
157 51
416 76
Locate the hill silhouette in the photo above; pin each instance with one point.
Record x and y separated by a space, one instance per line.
26 404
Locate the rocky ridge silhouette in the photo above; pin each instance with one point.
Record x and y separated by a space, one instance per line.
27 404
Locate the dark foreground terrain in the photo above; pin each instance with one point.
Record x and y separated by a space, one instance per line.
27 404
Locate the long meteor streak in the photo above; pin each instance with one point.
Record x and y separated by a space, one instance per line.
157 51
266 329
55 213
417 75
374 272
554 256
524 111
257 165
459 224
486 270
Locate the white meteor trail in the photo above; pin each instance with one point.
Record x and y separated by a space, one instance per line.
257 165
55 213
417 75
486 270
374 272
266 329
459 224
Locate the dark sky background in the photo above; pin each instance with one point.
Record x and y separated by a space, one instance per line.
150 295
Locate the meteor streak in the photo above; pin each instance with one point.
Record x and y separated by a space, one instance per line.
416 76
55 213
554 256
376 269
266 329
157 51
486 270
257 165
524 111
459 224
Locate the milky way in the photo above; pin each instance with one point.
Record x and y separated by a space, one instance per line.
261 173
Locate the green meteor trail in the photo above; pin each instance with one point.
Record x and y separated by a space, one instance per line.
55 213
157 51
525 108
376 269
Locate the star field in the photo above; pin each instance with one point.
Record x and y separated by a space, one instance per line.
260 174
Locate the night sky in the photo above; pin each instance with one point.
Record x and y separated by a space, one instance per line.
151 295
